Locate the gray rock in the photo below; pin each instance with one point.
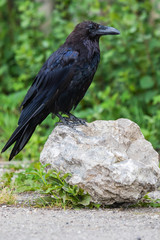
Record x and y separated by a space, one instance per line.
154 195
110 160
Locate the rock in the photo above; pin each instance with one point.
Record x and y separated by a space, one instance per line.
110 160
154 195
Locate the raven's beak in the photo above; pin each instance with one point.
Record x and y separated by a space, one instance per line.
104 30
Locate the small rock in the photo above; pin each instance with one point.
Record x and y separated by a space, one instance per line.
110 160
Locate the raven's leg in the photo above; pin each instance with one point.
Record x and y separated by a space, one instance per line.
64 120
53 115
70 121
75 120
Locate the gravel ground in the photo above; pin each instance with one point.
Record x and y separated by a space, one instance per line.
48 224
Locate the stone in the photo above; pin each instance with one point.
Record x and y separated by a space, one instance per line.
111 160
154 195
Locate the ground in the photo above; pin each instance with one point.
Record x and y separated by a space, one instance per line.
37 224
29 223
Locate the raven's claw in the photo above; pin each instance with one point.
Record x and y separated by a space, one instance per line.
71 120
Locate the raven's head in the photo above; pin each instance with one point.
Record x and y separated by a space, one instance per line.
93 30
89 30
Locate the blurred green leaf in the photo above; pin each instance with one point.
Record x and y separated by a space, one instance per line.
146 82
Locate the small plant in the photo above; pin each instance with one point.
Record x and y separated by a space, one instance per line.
51 184
147 202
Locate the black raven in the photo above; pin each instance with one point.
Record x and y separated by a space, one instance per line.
61 83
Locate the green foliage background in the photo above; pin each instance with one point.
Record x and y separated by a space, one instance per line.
126 84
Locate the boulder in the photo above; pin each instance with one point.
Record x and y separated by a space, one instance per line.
111 160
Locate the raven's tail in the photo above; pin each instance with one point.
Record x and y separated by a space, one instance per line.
21 138
23 133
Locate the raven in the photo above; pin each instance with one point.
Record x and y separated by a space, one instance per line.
61 82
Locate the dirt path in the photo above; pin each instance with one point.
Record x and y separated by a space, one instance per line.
48 224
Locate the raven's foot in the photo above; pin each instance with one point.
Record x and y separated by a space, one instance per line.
70 121
75 120
63 120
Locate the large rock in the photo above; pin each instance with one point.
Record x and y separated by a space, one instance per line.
111 160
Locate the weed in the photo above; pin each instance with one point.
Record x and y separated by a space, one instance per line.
7 197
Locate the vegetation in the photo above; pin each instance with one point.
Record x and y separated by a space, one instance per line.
52 185
7 197
127 83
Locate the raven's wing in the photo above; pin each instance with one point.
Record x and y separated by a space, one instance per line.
52 79
49 86
60 62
